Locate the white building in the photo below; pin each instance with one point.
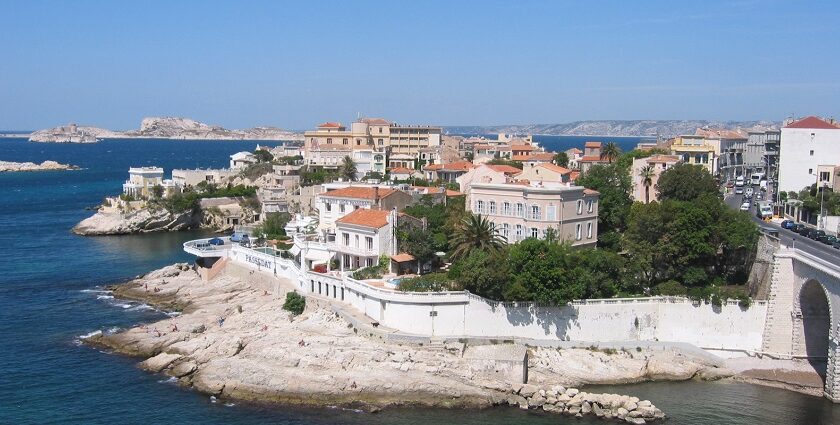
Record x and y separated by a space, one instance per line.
806 144
141 180
272 199
337 203
364 235
189 178
242 160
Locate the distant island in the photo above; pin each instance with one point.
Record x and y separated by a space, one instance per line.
631 128
8 166
160 128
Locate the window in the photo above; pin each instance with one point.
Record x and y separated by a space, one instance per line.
551 213
327 206
341 208
369 242
506 231
329 140
380 141
810 171
519 231
812 152
345 141
589 230
358 142
356 240
368 262
520 210
580 206
535 212
479 206
589 205
492 207
535 233
346 238
577 231
506 208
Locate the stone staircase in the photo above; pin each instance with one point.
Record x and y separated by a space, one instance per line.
778 327
437 344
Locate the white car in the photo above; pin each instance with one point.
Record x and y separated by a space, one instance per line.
749 191
745 206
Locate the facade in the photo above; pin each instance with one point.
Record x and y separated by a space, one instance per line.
327 156
368 161
191 178
829 176
697 150
242 160
486 174
804 145
731 146
402 173
374 133
574 155
535 158
520 211
545 173
755 153
362 236
447 172
336 203
142 180
658 164
272 199
591 156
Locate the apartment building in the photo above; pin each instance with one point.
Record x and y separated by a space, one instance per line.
806 144
694 149
336 203
658 164
545 172
374 133
591 156
142 180
521 211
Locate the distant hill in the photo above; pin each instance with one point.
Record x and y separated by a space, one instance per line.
663 128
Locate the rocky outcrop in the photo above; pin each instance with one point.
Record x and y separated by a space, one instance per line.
31 166
664 128
161 128
232 340
139 221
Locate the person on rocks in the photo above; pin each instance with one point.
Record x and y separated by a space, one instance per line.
174 327
221 321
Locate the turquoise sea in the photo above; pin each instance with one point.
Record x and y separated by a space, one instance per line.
50 283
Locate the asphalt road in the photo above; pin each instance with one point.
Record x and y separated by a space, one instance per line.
787 237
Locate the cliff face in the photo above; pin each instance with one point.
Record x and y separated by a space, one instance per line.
140 221
664 128
161 128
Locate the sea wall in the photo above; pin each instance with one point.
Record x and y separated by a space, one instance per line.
728 330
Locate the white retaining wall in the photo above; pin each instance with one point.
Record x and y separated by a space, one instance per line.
460 314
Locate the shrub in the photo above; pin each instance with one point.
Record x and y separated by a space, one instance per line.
373 272
670 288
432 282
295 303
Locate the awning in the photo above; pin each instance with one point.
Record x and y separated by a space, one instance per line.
318 256
295 250
403 257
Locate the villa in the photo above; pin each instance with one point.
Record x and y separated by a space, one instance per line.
545 172
335 204
142 180
658 164
447 172
591 156
242 160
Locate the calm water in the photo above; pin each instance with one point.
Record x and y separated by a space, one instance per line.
48 284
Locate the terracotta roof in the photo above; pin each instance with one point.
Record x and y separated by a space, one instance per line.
523 148
813 122
663 158
592 145
574 175
520 157
542 156
402 257
433 167
450 192
591 192
366 218
721 133
592 158
358 192
453 166
400 170
555 168
506 169
574 151
329 124
376 121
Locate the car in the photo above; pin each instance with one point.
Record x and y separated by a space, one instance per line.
804 230
797 227
785 223
815 234
748 191
828 239
836 244
739 190
745 206
790 224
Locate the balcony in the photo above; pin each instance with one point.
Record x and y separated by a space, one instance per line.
351 250
203 248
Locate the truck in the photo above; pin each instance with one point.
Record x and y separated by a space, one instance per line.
739 181
764 210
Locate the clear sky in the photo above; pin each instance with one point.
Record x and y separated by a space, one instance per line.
294 64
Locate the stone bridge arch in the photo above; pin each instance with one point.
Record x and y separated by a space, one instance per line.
812 325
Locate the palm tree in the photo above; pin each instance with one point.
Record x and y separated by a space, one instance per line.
610 152
646 173
475 232
347 168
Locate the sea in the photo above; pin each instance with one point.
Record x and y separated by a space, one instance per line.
51 294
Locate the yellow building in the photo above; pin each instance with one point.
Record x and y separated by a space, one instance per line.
698 150
373 133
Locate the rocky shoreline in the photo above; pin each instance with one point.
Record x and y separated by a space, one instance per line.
139 221
8 166
232 340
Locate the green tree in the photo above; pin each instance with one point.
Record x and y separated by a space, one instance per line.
482 273
611 152
561 159
476 232
157 191
263 155
416 241
347 169
647 174
685 182
295 303
274 225
614 184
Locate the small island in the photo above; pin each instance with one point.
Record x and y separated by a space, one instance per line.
8 166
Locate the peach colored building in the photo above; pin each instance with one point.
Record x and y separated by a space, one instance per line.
658 164
545 172
521 210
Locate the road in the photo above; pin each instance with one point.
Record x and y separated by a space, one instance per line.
818 249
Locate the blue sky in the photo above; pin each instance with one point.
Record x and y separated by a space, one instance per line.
294 64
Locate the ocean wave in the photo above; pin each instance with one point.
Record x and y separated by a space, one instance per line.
123 305
113 330
95 291
170 380
173 313
230 404
104 297
90 334
142 307
212 399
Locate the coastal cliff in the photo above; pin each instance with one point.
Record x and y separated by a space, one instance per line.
161 128
616 128
31 166
106 222
231 340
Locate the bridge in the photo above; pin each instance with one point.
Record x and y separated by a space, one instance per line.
803 314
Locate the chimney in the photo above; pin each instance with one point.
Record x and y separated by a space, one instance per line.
376 196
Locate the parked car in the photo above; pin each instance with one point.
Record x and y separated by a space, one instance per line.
797 227
836 244
739 190
803 230
828 239
815 234
745 206
785 223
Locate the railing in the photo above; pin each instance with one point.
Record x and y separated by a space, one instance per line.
203 247
811 260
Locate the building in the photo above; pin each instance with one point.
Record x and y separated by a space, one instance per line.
403 174
658 164
374 133
694 149
545 172
535 158
327 156
142 180
522 211
804 145
732 145
486 174
336 203
272 199
242 160
829 176
755 152
362 236
574 155
191 178
591 156
447 172
368 161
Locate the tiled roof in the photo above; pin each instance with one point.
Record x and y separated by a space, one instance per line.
376 121
555 168
358 192
591 192
433 167
366 218
452 166
402 257
542 156
720 133
813 122
592 145
506 169
450 192
574 151
329 124
592 158
523 148
663 158
400 170
574 175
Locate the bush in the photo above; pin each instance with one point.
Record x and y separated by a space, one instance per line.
295 303
432 282
255 171
373 272
670 288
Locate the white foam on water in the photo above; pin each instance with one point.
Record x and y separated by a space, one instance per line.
90 334
123 305
104 297
95 291
229 404
170 380
212 399
142 307
173 313
112 330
